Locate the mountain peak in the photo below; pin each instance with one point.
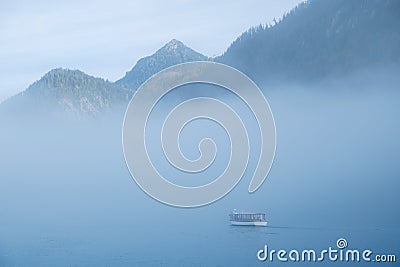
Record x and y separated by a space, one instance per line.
68 91
175 48
172 53
174 45
65 78
63 70
62 73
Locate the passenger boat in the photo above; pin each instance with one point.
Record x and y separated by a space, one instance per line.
248 218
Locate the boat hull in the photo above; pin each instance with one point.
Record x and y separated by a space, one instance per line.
262 223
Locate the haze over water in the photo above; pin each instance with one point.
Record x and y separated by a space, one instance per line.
67 198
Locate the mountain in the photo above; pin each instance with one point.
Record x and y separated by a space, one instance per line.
315 40
174 52
319 39
64 91
74 93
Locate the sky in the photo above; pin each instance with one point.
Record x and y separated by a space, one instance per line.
106 38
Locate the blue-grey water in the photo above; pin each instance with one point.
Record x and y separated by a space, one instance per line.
67 198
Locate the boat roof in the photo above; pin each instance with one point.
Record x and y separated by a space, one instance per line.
246 212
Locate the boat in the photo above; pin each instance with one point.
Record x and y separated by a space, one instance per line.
248 218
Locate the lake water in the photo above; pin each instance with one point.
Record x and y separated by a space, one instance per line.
67 198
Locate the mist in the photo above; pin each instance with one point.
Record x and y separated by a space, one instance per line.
66 195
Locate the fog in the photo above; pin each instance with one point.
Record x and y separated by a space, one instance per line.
66 195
